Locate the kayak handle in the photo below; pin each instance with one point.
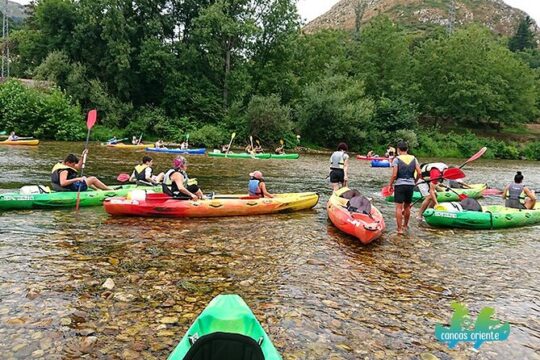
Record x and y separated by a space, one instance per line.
193 338
261 339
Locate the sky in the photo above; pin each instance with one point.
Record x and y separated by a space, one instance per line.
310 9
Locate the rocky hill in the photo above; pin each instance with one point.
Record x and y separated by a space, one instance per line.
422 14
15 11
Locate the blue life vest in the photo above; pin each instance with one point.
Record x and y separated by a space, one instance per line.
253 187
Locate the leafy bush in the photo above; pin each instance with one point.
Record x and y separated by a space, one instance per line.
267 119
532 150
209 136
44 114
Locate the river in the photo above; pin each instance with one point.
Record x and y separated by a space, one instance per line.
318 293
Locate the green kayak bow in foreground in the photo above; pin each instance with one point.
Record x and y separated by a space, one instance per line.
226 329
491 217
256 156
50 200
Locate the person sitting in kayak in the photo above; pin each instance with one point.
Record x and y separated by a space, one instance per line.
177 183
64 176
405 173
428 186
112 141
258 149
256 185
183 145
12 137
225 149
512 194
249 149
280 150
143 173
339 167
159 144
390 151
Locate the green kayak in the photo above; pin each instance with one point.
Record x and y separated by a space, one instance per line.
226 324
17 201
285 156
446 196
491 217
240 156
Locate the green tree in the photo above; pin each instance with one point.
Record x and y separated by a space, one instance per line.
470 78
335 109
524 37
267 119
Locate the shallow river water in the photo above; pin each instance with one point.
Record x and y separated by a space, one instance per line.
318 293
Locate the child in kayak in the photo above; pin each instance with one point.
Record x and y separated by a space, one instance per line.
256 186
177 183
143 172
64 176
13 136
512 194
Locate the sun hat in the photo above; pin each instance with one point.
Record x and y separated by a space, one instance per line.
257 175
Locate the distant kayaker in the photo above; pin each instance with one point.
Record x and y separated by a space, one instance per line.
135 141
159 144
370 154
12 136
512 194
64 176
428 186
177 183
406 171
256 185
225 149
183 145
280 150
390 151
258 149
249 149
143 172
339 167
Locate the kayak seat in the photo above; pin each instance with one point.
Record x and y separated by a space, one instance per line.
225 346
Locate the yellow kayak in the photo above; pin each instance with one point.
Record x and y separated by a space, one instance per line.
33 142
130 146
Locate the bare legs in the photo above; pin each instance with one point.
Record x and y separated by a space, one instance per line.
96 183
403 214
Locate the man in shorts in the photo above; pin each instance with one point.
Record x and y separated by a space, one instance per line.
406 171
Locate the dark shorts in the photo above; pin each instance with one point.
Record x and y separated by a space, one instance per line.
191 188
403 194
337 176
75 186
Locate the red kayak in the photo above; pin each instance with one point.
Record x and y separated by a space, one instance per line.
370 158
364 227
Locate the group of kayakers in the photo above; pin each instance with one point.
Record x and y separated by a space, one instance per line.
175 181
408 174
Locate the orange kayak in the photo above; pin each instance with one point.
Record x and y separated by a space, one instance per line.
364 227
161 205
33 142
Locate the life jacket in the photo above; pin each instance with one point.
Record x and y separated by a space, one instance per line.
169 186
55 175
514 194
406 166
253 187
140 172
337 160
426 169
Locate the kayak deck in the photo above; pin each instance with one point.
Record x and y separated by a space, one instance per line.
491 217
61 199
224 315
20 142
158 205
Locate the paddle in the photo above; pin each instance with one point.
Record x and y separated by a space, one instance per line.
230 142
448 174
90 122
123 177
140 138
187 141
252 152
476 156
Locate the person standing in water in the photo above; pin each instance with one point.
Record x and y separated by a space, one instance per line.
339 167
512 194
406 171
